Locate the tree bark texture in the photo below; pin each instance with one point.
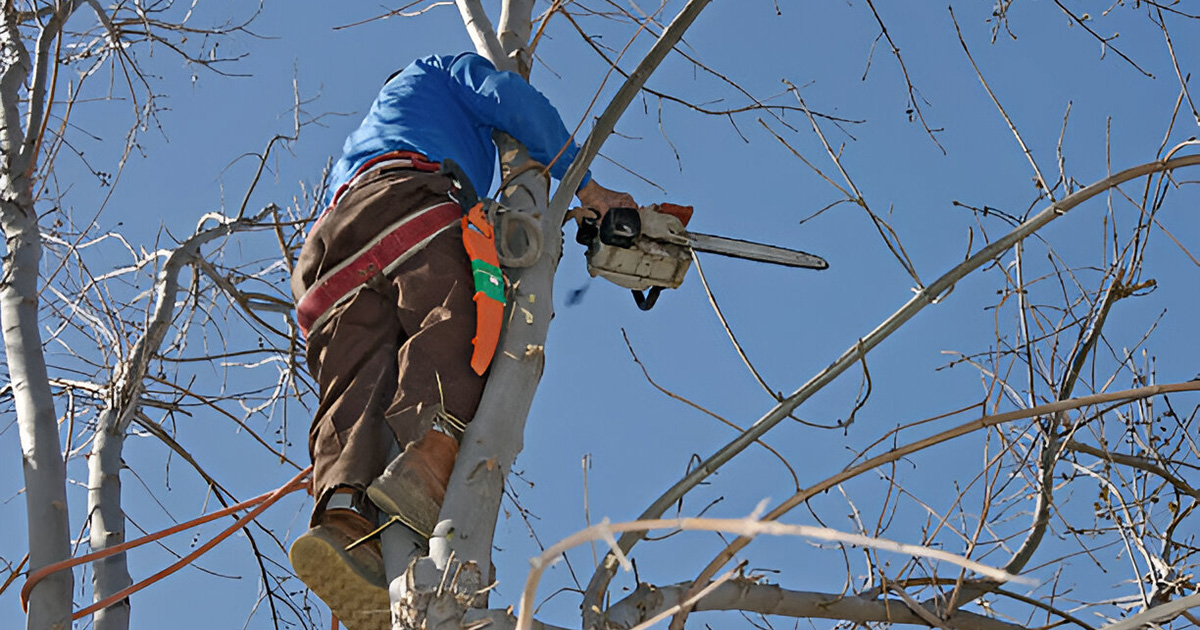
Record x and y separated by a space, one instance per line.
483 36
496 435
770 599
106 526
516 25
41 448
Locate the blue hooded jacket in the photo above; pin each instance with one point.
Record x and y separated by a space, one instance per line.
446 107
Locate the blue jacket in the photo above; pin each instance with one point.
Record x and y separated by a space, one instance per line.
446 107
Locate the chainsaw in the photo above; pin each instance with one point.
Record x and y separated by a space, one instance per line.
649 249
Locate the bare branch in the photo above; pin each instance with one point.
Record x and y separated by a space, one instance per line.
516 23
479 28
927 296
771 599
1041 181
607 122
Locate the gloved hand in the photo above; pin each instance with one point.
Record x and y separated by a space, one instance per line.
600 199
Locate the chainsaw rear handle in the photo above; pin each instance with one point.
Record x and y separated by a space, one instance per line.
588 229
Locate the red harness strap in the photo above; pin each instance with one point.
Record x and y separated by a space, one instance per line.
401 240
387 249
382 255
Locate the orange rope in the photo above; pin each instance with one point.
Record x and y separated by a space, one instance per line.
266 500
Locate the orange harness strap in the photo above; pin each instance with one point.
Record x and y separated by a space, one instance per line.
479 238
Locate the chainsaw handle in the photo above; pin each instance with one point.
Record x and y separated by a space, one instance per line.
647 300
588 228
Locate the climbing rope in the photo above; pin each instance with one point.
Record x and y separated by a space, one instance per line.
510 223
263 502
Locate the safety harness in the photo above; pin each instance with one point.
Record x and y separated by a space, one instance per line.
400 240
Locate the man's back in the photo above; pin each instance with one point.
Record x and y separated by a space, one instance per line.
447 107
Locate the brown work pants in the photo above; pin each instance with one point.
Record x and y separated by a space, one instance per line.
400 344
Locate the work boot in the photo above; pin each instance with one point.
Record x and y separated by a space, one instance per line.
352 583
414 484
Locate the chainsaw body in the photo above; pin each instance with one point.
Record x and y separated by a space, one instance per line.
649 249
640 248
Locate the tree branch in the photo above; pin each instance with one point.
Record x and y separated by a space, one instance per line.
1133 461
1158 614
927 296
620 101
479 28
107 517
43 59
748 527
516 23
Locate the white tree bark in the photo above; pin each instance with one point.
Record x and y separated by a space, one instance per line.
496 435
770 599
106 521
647 602
483 36
41 450
516 25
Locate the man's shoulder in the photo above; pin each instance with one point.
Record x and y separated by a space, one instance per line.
469 61
462 67
449 63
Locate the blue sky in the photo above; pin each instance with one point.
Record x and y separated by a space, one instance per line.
593 399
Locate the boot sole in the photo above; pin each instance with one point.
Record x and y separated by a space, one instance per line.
357 600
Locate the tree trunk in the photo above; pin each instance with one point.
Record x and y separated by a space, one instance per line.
41 451
496 434
107 521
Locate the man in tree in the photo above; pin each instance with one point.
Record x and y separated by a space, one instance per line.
386 294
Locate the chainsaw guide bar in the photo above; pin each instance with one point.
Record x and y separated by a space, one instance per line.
758 252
